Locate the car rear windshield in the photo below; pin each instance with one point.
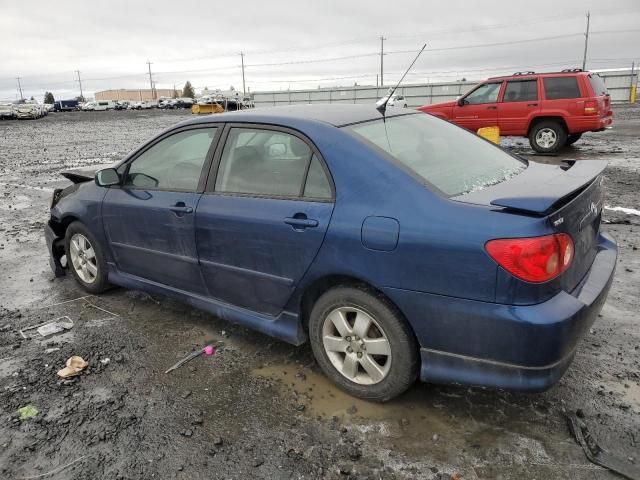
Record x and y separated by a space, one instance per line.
448 157
598 85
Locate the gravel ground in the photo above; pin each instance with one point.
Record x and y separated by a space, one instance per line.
260 408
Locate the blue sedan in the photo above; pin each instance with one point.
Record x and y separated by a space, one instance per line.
399 245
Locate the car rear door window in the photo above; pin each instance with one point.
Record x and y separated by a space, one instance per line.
317 184
174 163
263 162
556 88
521 91
485 93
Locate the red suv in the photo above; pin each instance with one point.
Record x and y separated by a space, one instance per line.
552 109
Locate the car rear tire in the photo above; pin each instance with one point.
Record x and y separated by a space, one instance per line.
573 138
363 344
547 136
85 258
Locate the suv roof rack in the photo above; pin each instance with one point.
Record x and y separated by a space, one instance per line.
524 73
571 70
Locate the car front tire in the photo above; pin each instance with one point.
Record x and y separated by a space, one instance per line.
363 344
547 136
85 258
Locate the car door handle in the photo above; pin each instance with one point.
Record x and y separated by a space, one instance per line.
181 208
532 104
301 222
492 107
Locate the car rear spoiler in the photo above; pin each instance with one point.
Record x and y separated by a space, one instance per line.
540 189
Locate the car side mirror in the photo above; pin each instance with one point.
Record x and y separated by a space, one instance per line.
107 177
461 102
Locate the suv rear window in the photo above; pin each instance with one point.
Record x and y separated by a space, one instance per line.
448 157
556 88
597 84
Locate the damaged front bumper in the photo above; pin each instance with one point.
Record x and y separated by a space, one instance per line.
55 245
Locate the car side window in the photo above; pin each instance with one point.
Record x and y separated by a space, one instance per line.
556 88
521 91
263 162
485 93
317 185
174 163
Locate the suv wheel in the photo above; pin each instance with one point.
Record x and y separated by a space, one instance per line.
547 136
85 258
363 344
571 139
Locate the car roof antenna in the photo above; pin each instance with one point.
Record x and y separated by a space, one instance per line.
382 106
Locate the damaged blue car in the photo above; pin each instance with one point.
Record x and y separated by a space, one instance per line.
399 245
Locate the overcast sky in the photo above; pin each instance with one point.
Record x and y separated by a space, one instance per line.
319 43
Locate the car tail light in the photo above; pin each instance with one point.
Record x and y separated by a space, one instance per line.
535 259
590 107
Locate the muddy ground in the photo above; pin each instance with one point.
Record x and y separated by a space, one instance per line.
260 408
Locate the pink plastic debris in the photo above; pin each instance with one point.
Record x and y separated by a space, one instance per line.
209 350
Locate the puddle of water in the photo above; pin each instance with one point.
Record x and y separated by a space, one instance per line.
412 416
444 422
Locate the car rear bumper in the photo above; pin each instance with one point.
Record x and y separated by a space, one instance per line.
525 348
590 124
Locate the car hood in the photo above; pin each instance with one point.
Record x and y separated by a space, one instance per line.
437 106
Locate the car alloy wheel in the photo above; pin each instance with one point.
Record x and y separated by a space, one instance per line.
546 138
356 345
83 258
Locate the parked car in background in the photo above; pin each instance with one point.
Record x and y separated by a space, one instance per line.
66 105
49 107
456 262
143 105
99 106
397 101
551 109
121 105
7 110
28 110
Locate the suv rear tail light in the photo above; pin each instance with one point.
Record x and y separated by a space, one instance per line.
590 107
535 259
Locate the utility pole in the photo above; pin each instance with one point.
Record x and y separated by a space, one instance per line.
382 39
153 96
243 87
20 89
80 83
586 43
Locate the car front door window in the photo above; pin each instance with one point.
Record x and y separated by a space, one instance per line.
485 93
175 163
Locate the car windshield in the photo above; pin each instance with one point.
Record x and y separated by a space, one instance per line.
453 160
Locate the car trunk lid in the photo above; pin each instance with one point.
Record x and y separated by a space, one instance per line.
570 199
